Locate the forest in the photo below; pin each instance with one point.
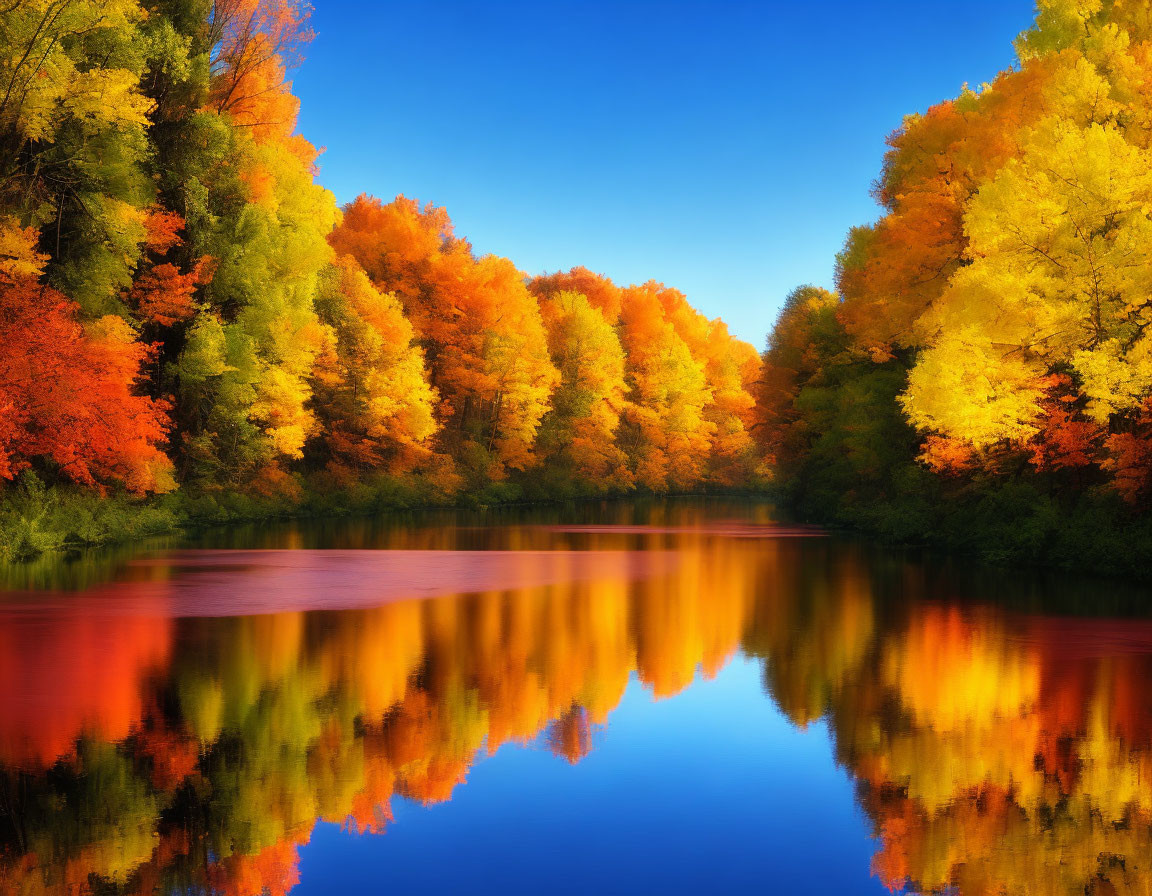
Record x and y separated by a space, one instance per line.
194 332
982 377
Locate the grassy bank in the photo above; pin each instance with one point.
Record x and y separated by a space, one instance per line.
38 521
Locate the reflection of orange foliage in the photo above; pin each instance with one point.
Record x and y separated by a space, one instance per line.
1024 760
400 699
992 752
77 675
953 671
415 736
890 863
174 756
570 735
173 846
272 871
31 876
371 810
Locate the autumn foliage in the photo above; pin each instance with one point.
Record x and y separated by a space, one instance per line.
184 305
995 319
68 392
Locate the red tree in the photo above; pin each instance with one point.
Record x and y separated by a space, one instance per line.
67 392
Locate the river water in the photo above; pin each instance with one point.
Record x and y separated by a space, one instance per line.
669 697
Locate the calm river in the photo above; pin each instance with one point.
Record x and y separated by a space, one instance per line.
662 697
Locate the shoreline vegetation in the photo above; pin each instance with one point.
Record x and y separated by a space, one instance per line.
1101 536
194 333
37 521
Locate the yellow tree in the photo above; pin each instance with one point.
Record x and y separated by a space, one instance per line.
667 435
1058 280
245 368
369 385
580 430
729 368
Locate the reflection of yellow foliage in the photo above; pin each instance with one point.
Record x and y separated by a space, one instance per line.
952 673
302 716
990 758
1006 784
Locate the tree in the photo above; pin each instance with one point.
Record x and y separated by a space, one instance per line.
579 432
73 139
161 293
799 346
255 43
729 369
243 375
666 434
479 327
68 392
370 390
601 293
891 272
1057 278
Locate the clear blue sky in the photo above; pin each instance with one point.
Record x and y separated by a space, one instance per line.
722 148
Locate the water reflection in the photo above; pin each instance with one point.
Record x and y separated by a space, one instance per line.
150 745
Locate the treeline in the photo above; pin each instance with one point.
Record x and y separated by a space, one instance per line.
184 310
983 377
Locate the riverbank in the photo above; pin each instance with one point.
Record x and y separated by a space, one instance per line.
38 521
1016 524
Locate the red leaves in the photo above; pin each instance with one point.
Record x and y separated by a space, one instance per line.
163 294
1131 458
163 228
1067 439
68 394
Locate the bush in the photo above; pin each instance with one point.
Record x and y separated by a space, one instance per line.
37 519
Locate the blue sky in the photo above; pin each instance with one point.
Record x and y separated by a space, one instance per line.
722 148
